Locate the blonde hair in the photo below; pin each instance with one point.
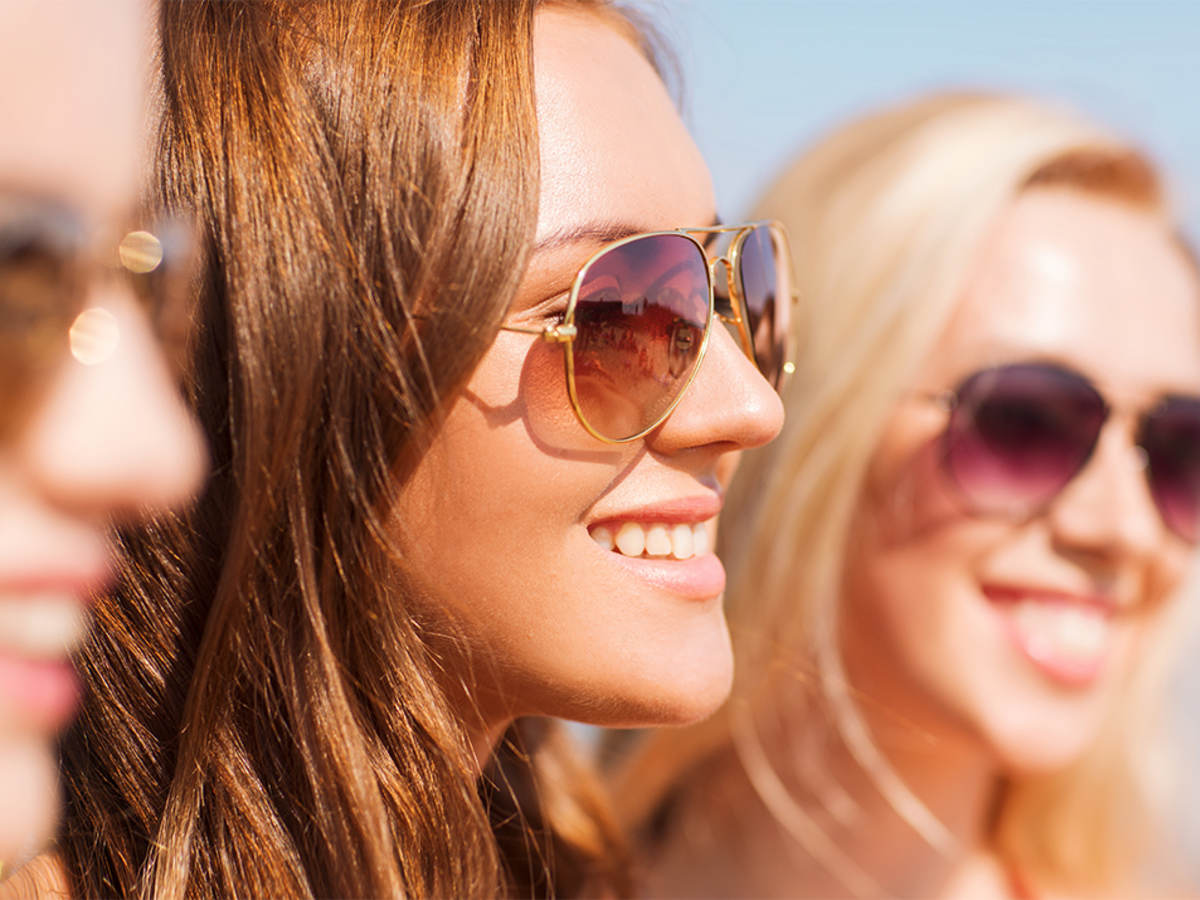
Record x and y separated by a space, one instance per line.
886 216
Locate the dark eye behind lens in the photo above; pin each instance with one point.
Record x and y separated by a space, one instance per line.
1019 433
1170 436
759 277
640 316
42 286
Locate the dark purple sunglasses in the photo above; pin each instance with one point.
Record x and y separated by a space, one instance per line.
1017 435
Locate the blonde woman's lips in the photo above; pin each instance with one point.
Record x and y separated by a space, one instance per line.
1067 637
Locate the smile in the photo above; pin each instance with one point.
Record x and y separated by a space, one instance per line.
41 628
659 540
43 620
1068 638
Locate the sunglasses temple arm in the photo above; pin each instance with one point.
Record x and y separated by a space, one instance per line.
554 333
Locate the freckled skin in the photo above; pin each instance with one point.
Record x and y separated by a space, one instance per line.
497 512
1100 288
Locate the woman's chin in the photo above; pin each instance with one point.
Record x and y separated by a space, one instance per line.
29 786
694 688
1039 747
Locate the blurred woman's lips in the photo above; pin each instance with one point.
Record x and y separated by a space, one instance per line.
37 694
43 626
43 619
1066 636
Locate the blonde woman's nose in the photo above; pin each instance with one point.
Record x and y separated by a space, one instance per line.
112 435
1108 508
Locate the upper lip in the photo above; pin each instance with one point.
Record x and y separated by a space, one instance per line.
84 583
1103 600
677 510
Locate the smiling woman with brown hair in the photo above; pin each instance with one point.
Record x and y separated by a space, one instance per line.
455 457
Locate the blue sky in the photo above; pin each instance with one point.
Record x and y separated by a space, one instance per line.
764 77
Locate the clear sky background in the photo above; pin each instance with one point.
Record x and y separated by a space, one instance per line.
763 78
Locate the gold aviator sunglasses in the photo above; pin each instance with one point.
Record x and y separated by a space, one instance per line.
640 315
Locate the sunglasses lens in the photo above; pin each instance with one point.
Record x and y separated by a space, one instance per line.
1171 438
640 320
1019 433
39 297
764 283
160 267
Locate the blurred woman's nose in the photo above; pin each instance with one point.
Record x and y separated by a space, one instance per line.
112 435
729 405
1107 508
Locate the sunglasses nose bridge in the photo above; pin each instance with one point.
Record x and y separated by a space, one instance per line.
1108 501
719 267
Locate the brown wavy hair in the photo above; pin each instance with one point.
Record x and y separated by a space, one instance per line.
264 716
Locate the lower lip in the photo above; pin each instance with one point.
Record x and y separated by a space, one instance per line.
1077 673
42 693
696 578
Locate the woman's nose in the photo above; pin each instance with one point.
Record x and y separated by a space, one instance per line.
112 434
729 405
1107 507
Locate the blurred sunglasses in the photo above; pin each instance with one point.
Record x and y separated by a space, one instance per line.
640 314
1018 434
48 265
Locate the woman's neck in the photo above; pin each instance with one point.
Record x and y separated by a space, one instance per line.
746 828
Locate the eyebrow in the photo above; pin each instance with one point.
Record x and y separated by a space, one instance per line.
596 232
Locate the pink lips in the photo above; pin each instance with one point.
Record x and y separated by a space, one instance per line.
1064 635
700 577
38 685
44 693
683 510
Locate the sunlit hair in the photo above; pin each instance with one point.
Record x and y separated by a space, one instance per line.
886 216
264 716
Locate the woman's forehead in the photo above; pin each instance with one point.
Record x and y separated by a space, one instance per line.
612 145
1088 281
72 106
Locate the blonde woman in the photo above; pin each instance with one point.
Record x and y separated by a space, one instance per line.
953 577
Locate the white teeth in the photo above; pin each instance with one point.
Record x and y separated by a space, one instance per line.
656 541
1069 632
682 542
631 539
603 537
42 627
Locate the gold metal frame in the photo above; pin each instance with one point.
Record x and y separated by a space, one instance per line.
565 332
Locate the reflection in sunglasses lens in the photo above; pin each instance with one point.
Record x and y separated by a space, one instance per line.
760 276
640 317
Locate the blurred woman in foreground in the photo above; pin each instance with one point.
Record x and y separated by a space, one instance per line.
93 431
954 578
